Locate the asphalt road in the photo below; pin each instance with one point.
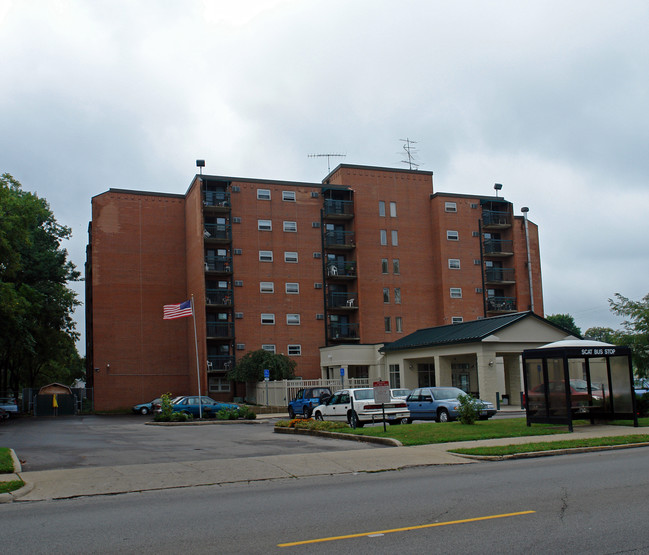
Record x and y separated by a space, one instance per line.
591 503
82 441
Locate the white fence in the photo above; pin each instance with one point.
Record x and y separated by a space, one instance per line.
279 393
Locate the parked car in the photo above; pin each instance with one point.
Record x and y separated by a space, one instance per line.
10 405
399 393
190 405
581 400
441 404
357 407
147 408
306 399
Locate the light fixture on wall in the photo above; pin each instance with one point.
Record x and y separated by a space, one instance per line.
410 365
491 363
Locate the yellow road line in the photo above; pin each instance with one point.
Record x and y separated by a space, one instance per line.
407 528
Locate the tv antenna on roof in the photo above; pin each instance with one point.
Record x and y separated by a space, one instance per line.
328 157
410 151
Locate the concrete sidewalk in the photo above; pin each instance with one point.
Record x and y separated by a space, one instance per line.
61 484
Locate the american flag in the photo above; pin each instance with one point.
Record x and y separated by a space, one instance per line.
173 311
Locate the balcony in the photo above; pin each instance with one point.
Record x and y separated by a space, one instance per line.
493 219
340 240
498 247
338 209
218 297
341 270
501 304
219 363
342 301
216 201
343 332
218 264
499 275
217 233
220 330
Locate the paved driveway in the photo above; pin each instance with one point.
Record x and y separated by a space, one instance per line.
87 441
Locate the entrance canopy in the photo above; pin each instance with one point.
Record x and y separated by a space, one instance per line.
573 380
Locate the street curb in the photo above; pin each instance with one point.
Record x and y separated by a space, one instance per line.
335 435
549 452
203 422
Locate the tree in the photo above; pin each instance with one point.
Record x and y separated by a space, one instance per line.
635 332
606 335
565 321
252 365
37 332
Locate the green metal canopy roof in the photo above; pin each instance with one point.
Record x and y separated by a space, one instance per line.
466 332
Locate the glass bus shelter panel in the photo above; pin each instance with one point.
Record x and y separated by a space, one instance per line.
622 387
557 388
599 383
536 396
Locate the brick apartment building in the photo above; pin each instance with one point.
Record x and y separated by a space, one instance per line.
365 257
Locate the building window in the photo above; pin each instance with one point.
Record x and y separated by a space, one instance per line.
386 294
265 256
398 324
264 225
290 226
268 319
263 194
452 235
457 320
266 287
293 319
454 263
294 350
450 207
384 237
456 292
395 376
387 323
219 384
290 257
393 209
397 295
288 196
269 348
384 265
293 288
395 266
382 208
395 238
317 255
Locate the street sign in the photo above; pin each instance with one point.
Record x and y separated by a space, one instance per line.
266 374
381 391
342 371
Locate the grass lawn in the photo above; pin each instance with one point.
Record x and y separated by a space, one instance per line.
6 487
6 463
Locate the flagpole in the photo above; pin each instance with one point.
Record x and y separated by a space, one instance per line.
198 368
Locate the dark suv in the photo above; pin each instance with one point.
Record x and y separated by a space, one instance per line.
307 399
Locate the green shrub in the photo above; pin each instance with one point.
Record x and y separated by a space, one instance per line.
235 414
642 405
310 424
469 409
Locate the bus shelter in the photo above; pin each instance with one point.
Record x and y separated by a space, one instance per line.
576 380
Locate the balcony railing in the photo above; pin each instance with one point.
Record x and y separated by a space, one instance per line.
216 199
219 363
343 239
498 247
501 304
494 218
499 275
334 207
221 232
220 329
222 264
221 297
342 269
339 332
342 300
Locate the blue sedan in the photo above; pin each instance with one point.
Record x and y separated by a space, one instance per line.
146 408
441 404
190 405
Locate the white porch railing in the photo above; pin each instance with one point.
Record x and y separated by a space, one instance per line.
279 393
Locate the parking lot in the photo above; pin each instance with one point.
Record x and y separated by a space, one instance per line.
87 441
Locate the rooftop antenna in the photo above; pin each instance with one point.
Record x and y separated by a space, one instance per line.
200 164
497 187
328 157
410 151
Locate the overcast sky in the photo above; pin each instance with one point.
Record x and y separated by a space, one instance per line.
549 98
